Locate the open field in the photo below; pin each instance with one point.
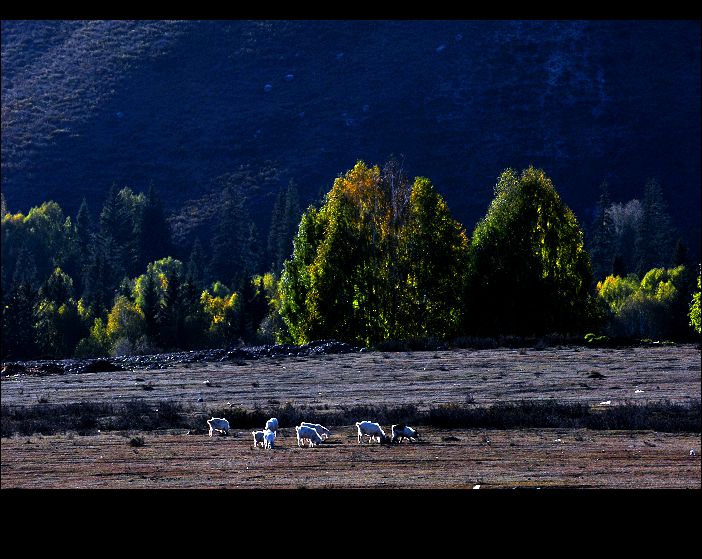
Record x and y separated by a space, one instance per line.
527 458
506 458
423 378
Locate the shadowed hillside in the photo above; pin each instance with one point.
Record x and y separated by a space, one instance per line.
185 105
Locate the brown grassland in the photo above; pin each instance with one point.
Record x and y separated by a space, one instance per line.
441 459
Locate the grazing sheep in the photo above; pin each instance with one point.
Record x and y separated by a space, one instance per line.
309 434
400 432
371 430
268 438
272 424
258 437
218 424
323 431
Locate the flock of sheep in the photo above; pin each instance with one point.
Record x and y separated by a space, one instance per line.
314 433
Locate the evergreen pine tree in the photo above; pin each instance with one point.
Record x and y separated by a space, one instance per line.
153 235
98 290
284 221
17 323
150 305
197 270
681 255
194 321
230 238
654 242
170 315
251 254
110 242
84 228
84 242
275 233
602 236
58 288
619 266
25 269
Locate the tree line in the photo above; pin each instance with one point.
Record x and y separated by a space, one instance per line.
379 258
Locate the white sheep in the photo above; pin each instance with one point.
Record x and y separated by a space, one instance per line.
218 424
400 432
258 437
272 424
371 430
323 431
307 433
268 438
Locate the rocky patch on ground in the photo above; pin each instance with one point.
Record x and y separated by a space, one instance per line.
170 360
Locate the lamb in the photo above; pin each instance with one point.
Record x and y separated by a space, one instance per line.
218 424
323 431
400 432
268 438
372 430
307 433
258 438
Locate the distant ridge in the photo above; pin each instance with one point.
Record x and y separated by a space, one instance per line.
177 104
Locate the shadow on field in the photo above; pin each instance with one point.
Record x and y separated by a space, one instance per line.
138 415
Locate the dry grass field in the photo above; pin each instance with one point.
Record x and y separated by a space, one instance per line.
522 458
529 458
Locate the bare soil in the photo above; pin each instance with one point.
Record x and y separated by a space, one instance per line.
490 458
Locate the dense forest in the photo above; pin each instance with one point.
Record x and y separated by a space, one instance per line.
379 257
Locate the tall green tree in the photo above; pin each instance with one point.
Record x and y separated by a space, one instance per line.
655 241
153 235
44 235
528 272
230 243
85 243
366 268
99 285
18 323
694 313
197 268
58 326
284 221
433 250
25 270
148 299
119 233
602 236
170 317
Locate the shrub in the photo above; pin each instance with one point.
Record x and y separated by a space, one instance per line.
694 313
646 308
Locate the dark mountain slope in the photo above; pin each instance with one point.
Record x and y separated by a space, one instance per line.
183 104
